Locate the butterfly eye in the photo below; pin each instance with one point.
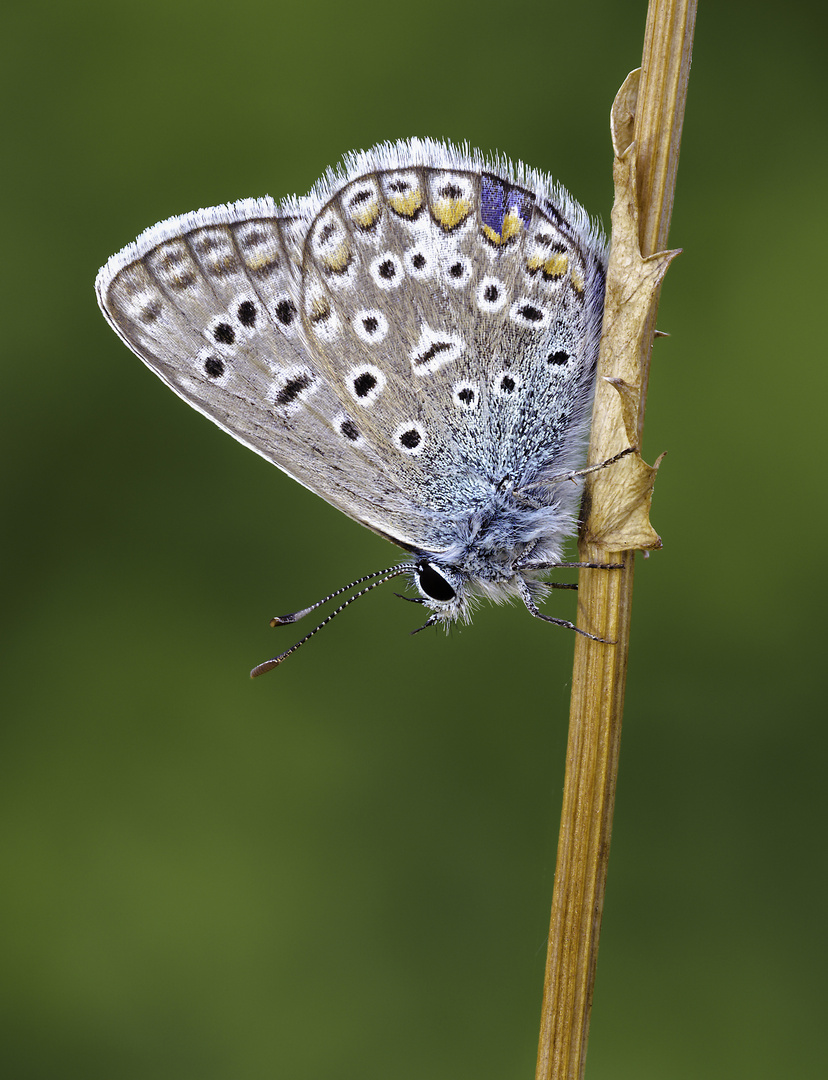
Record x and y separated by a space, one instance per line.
433 584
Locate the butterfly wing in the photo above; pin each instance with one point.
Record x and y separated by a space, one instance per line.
416 330
211 301
457 310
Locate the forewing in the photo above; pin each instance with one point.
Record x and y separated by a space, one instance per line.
211 303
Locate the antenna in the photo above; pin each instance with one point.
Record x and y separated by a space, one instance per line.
381 577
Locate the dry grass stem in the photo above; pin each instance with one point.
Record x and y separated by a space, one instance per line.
646 129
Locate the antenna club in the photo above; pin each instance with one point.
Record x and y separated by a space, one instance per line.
379 577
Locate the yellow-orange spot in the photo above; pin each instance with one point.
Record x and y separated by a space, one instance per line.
222 263
366 215
512 224
337 260
406 204
320 309
451 212
259 262
554 266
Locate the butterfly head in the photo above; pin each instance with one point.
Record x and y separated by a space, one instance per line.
491 564
442 588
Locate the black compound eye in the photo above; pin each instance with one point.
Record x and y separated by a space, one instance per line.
433 583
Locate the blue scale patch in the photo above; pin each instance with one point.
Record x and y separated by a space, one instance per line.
497 199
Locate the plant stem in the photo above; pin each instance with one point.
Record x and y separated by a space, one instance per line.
617 523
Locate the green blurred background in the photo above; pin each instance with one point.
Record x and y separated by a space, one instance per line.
344 869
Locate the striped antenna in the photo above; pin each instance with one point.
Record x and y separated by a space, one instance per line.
379 577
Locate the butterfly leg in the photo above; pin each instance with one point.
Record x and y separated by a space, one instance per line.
532 608
573 476
520 493
521 565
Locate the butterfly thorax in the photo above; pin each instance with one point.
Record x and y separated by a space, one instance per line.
498 547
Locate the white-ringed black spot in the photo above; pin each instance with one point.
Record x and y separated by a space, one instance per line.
491 295
558 357
349 430
419 263
431 353
506 383
387 270
224 334
528 314
411 439
465 396
364 383
285 312
457 272
213 367
434 349
292 389
246 313
371 326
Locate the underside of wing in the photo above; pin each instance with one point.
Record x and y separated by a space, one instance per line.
211 303
418 330
458 310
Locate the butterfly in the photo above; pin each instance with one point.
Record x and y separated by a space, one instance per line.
415 341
